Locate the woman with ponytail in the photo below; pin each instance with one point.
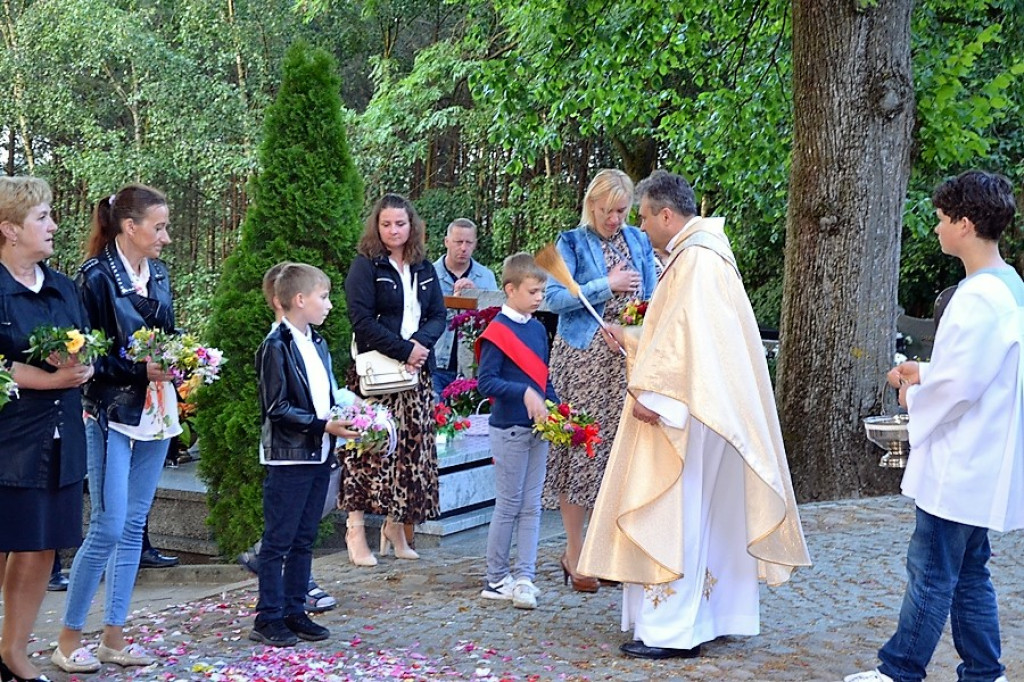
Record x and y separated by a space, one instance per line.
131 415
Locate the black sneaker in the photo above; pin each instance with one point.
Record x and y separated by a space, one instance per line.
304 627
273 633
58 582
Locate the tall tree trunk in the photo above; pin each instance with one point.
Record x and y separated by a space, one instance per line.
853 118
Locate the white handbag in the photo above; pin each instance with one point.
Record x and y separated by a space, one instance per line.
379 374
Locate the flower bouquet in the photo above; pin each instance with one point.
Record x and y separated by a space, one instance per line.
448 423
633 313
569 427
8 388
180 355
469 325
65 342
376 427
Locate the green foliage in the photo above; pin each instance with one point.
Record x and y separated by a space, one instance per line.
971 98
438 208
535 216
305 207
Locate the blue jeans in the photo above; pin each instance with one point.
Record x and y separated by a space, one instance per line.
520 463
293 499
946 576
123 475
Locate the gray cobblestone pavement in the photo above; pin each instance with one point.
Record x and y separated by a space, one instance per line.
424 620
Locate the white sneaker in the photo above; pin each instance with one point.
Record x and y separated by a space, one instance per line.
1001 678
501 590
869 676
524 594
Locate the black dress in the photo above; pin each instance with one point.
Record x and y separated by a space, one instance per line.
42 432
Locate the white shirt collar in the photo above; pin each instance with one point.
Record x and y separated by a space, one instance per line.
514 315
140 282
296 332
672 242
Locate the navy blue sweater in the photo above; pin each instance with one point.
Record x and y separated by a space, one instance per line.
501 379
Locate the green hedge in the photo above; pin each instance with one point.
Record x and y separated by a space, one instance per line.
305 206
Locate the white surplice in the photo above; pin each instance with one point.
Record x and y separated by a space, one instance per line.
718 593
967 414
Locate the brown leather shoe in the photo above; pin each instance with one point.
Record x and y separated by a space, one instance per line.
580 583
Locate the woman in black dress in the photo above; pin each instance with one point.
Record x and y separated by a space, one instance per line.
43 435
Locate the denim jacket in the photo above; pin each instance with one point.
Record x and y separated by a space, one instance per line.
581 249
482 278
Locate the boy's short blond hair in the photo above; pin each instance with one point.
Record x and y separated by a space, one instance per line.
18 195
520 267
269 277
295 279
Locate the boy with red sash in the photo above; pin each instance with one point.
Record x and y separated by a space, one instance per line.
513 373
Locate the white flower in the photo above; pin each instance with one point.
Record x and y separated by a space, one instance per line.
899 358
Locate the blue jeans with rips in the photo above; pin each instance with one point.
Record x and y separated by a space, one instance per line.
293 500
947 575
123 475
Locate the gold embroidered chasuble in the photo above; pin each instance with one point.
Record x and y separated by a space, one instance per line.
699 344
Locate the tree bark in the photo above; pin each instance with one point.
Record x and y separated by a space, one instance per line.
853 119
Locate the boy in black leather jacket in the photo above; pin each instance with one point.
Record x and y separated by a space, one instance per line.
293 368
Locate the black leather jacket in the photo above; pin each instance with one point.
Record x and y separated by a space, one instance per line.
291 430
27 425
373 292
118 386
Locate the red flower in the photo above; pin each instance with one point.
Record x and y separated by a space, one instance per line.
564 410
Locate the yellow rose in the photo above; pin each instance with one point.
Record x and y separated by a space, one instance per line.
75 341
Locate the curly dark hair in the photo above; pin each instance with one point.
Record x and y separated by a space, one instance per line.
986 199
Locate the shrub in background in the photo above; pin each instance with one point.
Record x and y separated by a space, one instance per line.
305 206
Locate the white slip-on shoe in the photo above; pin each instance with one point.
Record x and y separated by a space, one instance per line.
132 654
867 676
81 660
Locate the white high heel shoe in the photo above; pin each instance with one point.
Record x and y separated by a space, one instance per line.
355 541
402 549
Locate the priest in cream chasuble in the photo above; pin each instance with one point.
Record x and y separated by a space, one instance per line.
696 503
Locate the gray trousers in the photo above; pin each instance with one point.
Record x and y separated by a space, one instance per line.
520 463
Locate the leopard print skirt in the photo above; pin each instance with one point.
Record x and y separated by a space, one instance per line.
592 379
402 485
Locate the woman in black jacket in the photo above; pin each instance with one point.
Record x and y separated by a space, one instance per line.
132 413
396 307
43 463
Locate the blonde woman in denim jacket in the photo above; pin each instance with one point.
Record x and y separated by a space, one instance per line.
613 264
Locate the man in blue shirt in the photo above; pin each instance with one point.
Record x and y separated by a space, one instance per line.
457 272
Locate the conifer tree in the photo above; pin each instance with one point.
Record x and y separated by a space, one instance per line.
305 206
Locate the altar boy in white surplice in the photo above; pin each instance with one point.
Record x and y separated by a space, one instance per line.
966 466
696 502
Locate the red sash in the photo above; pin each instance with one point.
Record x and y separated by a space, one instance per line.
518 352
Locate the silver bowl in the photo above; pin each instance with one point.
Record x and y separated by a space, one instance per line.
891 433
